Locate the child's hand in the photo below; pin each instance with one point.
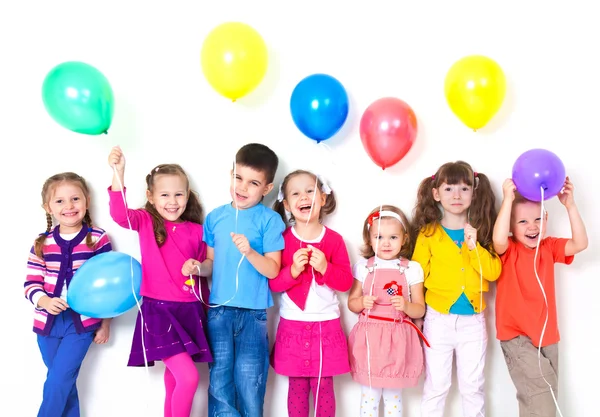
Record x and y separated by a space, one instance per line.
398 302
368 301
566 194
54 305
241 242
300 260
191 267
103 333
317 260
508 190
117 159
470 236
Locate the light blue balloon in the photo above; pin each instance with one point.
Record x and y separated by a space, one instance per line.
104 286
319 106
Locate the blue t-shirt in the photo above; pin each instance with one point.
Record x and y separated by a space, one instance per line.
462 305
263 228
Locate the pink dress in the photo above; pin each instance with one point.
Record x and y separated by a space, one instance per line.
395 355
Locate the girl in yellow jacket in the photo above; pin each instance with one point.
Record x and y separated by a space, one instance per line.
454 218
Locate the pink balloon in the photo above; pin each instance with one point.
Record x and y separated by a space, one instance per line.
388 129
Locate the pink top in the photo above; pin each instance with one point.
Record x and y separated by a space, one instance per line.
161 266
338 275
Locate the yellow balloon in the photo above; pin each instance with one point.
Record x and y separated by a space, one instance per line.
234 59
475 87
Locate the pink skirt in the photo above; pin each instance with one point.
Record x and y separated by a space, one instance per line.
301 347
395 354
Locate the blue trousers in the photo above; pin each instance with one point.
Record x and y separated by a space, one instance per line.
238 374
63 351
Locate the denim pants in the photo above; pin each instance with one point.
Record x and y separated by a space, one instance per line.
63 351
238 374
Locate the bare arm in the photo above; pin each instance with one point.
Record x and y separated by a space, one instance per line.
502 225
267 264
355 303
579 238
415 309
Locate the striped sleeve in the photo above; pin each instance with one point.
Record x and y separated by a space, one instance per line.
34 281
102 244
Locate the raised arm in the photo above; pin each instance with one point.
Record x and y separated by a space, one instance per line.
502 225
579 238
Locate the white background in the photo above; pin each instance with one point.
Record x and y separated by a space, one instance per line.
167 112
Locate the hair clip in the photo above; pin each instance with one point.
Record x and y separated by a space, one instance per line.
280 193
46 233
433 177
475 174
90 230
325 188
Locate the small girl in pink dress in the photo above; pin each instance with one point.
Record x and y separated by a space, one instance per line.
385 347
310 346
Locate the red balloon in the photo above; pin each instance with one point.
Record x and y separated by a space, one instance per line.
388 129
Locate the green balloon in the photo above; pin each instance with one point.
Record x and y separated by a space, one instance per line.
79 98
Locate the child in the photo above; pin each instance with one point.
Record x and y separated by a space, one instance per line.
310 346
523 309
170 232
64 336
454 248
386 354
244 251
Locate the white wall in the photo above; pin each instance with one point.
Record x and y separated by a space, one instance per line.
167 112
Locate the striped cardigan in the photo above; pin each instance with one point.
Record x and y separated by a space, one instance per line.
49 274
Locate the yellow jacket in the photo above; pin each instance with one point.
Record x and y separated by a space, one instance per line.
450 270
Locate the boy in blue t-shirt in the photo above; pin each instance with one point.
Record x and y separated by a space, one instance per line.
244 241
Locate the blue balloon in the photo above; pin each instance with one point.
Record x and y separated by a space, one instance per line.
104 286
319 106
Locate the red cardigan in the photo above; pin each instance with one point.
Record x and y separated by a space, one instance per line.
338 275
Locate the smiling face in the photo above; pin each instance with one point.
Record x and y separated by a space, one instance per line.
248 187
525 223
300 191
387 236
169 196
68 204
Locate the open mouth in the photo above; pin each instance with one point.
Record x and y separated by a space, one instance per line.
70 214
304 208
240 197
532 237
172 210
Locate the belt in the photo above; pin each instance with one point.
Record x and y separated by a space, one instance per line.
400 320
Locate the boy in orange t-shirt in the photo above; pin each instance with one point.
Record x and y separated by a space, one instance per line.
521 310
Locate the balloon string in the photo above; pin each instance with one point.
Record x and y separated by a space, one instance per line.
545 302
137 301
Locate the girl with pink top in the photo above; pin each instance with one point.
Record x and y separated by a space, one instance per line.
172 318
310 346
387 294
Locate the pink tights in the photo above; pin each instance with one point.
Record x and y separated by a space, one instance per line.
181 382
298 392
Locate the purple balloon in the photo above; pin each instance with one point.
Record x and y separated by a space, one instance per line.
536 169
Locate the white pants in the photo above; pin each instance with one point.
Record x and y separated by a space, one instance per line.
371 397
465 335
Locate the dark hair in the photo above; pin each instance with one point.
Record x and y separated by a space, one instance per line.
368 251
328 207
193 210
482 212
49 186
260 158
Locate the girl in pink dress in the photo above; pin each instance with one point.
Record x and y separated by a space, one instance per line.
310 346
385 347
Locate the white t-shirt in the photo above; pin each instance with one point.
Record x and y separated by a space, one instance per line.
414 273
321 303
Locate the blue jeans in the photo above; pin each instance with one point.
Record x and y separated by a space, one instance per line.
63 351
238 374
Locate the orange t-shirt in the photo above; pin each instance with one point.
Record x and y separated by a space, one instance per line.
520 306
